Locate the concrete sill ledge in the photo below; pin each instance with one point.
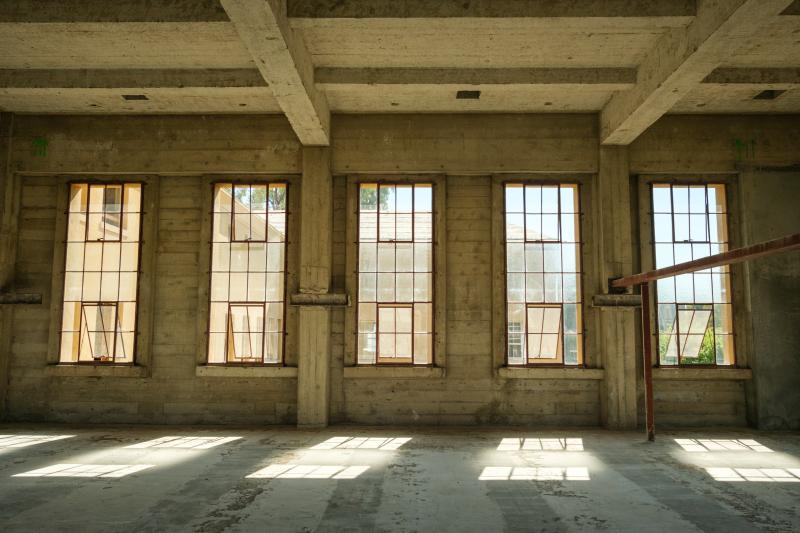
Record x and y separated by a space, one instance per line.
211 371
97 371
550 373
399 372
707 374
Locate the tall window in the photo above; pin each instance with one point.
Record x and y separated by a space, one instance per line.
101 276
395 274
543 275
693 310
248 251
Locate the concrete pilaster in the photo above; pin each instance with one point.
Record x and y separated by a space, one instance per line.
617 325
9 207
314 332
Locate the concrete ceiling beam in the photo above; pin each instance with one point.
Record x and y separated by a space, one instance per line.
488 8
284 62
611 78
679 62
754 76
60 11
129 78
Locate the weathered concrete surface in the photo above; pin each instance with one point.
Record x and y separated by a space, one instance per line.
431 482
316 234
9 207
184 149
617 332
680 60
770 207
284 62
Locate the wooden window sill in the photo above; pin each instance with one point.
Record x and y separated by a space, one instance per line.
97 371
394 372
526 372
710 374
220 371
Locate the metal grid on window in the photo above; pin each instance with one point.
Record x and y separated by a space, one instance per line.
395 274
543 274
248 269
694 313
101 273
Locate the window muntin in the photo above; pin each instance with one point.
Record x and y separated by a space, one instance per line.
395 274
101 275
694 312
248 274
543 274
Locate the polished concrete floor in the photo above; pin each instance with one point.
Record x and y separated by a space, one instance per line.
149 478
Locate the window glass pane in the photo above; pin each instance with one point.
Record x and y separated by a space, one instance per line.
514 200
423 199
550 200
662 201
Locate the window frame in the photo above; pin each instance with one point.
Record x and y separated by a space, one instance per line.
439 232
290 282
647 253
581 274
148 226
587 274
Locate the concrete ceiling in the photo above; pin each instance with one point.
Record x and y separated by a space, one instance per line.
379 56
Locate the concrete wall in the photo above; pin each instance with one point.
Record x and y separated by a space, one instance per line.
770 200
467 149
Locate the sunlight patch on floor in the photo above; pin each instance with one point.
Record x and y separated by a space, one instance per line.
538 444
362 443
291 471
721 445
791 475
536 473
196 443
21 441
85 470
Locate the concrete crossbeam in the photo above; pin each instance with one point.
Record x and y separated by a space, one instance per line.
284 62
754 76
54 11
128 78
679 61
493 8
614 78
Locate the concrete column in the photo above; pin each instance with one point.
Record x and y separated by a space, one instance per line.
617 329
9 207
314 334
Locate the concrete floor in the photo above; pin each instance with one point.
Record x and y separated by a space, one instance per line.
395 479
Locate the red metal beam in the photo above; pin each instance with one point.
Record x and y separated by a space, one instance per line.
647 341
762 249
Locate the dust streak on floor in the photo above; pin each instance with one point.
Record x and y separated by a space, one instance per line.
213 479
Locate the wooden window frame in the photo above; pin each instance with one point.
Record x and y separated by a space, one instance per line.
148 226
439 193
647 257
588 275
290 284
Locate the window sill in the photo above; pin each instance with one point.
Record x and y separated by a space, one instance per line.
691 374
214 371
97 371
550 373
394 372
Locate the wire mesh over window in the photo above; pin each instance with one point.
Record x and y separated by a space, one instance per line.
694 313
248 268
543 274
395 274
101 276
